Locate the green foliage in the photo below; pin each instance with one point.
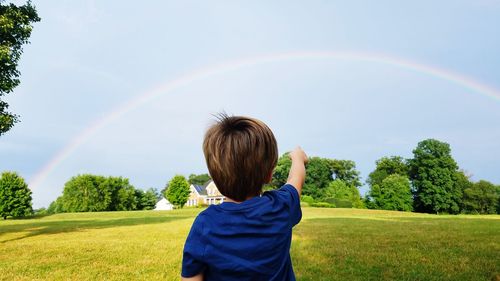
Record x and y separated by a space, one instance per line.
93 193
15 30
56 206
319 173
341 191
462 182
280 174
432 172
148 199
385 167
178 191
393 193
322 205
481 198
345 170
498 201
199 179
306 198
338 189
318 177
15 196
40 212
82 194
340 203
120 195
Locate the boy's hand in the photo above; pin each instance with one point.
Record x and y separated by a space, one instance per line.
298 155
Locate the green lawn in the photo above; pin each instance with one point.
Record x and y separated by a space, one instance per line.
329 244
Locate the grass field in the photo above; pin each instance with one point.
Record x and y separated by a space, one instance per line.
329 244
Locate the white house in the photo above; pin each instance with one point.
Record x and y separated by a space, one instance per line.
163 205
206 194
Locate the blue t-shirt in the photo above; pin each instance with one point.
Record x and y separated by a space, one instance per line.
244 241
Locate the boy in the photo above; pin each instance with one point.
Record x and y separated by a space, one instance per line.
247 237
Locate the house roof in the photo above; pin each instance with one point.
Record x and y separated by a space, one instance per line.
201 189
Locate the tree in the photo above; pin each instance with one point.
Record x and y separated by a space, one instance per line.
280 173
319 176
200 179
148 199
481 198
339 191
320 172
82 194
178 191
56 206
120 195
345 170
385 167
15 30
498 201
93 193
432 172
393 193
462 182
15 196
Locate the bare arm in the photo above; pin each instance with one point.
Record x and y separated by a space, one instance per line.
198 277
297 174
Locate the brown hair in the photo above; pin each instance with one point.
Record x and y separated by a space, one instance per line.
241 153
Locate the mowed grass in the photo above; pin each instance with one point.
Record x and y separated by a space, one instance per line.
329 244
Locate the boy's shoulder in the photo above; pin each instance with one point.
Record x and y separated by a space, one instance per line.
283 200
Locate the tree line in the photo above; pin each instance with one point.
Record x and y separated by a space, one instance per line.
94 193
430 182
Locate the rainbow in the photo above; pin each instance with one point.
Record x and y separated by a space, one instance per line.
233 65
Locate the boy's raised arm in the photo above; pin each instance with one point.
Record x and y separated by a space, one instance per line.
297 174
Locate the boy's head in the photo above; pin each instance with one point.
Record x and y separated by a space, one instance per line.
241 153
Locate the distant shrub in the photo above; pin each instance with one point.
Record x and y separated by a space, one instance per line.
322 205
307 199
339 203
40 212
304 204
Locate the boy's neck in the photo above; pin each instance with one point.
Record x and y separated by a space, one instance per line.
237 202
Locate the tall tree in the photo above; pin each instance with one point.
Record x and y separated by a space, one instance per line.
82 194
319 176
200 179
15 196
345 170
385 167
481 198
462 182
393 193
178 191
15 30
149 199
93 193
320 172
280 173
432 172
498 201
120 195
341 191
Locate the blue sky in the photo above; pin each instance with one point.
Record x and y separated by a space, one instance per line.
87 58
